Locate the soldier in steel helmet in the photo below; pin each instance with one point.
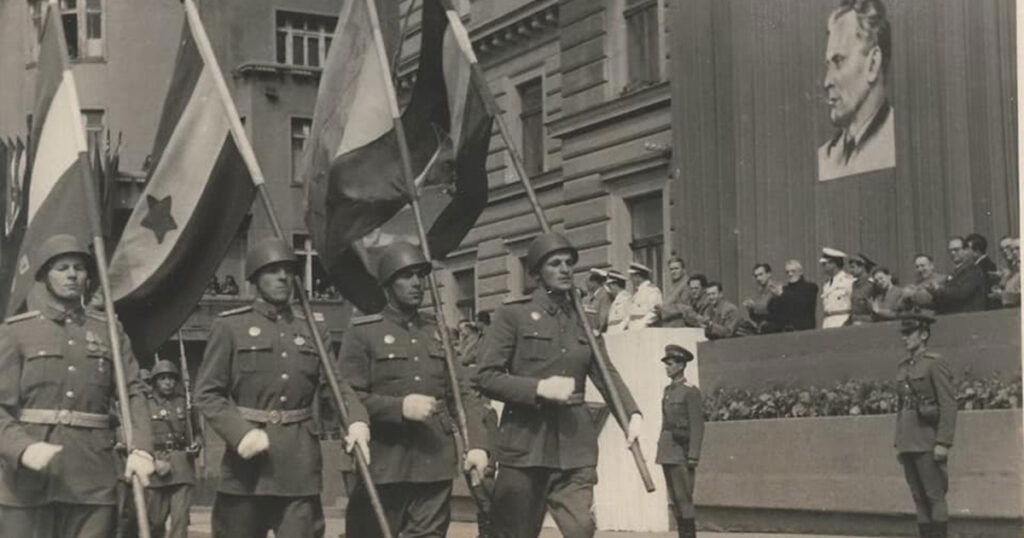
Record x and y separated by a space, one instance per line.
395 360
682 433
536 359
170 489
925 424
58 467
257 386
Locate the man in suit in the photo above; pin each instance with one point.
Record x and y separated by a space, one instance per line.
856 82
979 246
723 319
794 305
964 290
678 297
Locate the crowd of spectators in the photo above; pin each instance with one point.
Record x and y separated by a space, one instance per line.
856 290
216 287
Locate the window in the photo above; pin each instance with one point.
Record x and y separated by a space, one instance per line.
314 277
303 39
648 237
35 16
92 120
300 134
642 42
531 119
527 282
465 292
83 26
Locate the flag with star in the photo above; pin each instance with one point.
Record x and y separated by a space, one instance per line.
46 187
198 193
357 202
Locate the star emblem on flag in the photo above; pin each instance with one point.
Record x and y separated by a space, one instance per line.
159 218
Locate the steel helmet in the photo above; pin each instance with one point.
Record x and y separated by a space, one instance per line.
545 245
59 244
265 253
399 256
165 367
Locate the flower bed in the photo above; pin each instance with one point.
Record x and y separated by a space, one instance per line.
848 398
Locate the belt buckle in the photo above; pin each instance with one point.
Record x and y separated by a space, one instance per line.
275 417
63 417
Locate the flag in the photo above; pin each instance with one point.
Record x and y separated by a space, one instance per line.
198 193
53 182
448 130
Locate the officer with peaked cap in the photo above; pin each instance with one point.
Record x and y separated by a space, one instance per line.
645 299
682 433
169 495
395 361
925 424
862 291
536 359
836 290
58 468
618 310
258 384
598 300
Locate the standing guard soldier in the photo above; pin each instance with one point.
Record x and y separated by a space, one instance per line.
925 425
257 386
58 467
170 490
536 359
396 363
682 433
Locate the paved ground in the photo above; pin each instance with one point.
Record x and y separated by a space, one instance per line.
200 528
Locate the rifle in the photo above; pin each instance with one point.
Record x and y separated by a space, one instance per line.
186 383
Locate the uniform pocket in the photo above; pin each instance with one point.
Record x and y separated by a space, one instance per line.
536 345
253 354
40 363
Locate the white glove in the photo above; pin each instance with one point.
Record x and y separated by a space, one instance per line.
38 455
418 407
358 434
636 424
254 442
556 388
139 464
162 467
476 458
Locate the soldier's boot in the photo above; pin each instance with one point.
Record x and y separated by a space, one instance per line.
691 528
483 524
924 530
940 529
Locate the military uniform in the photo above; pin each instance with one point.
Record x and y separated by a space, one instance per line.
641 306
57 385
679 444
170 494
861 293
261 370
547 451
597 304
387 357
926 417
618 313
835 300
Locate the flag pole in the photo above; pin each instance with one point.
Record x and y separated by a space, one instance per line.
461 438
477 78
100 255
195 25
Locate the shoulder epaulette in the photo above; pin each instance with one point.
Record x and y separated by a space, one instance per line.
22 317
931 355
234 311
363 320
317 316
517 300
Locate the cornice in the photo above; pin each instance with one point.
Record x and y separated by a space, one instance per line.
588 119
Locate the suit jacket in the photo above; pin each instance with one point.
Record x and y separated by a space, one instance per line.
529 340
682 424
963 291
794 309
925 384
263 357
873 149
861 294
56 359
726 321
678 300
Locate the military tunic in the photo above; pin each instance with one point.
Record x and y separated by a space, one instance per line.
52 360
682 434
641 306
387 357
618 313
835 300
170 439
861 293
926 417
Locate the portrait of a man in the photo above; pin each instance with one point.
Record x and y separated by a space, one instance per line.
858 57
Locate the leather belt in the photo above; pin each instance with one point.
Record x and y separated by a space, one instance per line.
837 312
65 417
575 398
285 416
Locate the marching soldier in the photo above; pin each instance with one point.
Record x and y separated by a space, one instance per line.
536 359
170 489
395 362
58 467
682 432
925 425
257 386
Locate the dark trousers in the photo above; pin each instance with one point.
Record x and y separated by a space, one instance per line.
523 494
928 481
252 516
59 520
413 510
171 502
679 479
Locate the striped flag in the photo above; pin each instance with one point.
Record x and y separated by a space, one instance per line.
198 194
52 201
356 198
